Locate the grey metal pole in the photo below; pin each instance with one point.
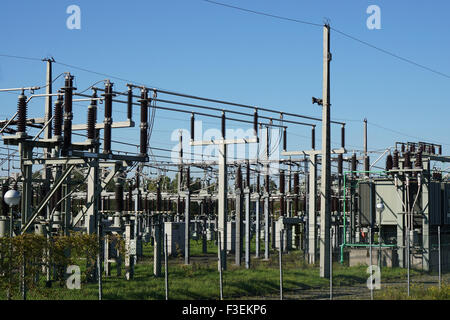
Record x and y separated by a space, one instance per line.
266 226
325 186
166 265
407 257
439 254
280 255
11 233
219 239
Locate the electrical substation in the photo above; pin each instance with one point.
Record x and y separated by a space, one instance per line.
75 178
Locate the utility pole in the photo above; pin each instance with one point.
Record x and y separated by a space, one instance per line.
326 161
366 157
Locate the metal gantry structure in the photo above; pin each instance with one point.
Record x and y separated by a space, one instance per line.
87 186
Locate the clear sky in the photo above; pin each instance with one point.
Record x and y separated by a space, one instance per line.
195 47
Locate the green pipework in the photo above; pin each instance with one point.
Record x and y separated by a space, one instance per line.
344 244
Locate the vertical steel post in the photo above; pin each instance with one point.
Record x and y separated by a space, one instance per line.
331 266
222 198
247 227
219 243
326 161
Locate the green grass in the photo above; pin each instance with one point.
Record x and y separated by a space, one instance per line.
201 280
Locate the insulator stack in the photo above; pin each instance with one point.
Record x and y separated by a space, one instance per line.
130 103
247 176
22 114
313 138
144 122
340 164
389 162
412 148
418 162
108 118
282 182
284 139
5 188
223 125
68 115
146 204
433 150
130 198
58 117
395 160
440 150
354 164
258 184
188 178
192 127
158 196
92 117
239 178
403 148
296 183
255 122
407 160
266 183
343 136
367 165
119 196
334 204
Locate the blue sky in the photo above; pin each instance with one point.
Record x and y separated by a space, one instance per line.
195 47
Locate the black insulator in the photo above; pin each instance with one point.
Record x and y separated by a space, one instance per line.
367 164
158 196
5 188
68 115
108 118
395 160
296 183
144 122
258 185
403 148
223 125
255 122
192 127
119 197
389 162
282 206
343 136
58 117
188 178
440 150
412 148
334 204
284 139
282 182
22 114
340 164
247 176
239 178
130 104
354 163
407 160
433 150
313 138
418 162
92 118
266 183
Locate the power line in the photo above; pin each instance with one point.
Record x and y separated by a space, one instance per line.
338 31
263 13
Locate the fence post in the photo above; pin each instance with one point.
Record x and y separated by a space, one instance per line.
166 264
280 255
439 254
220 265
